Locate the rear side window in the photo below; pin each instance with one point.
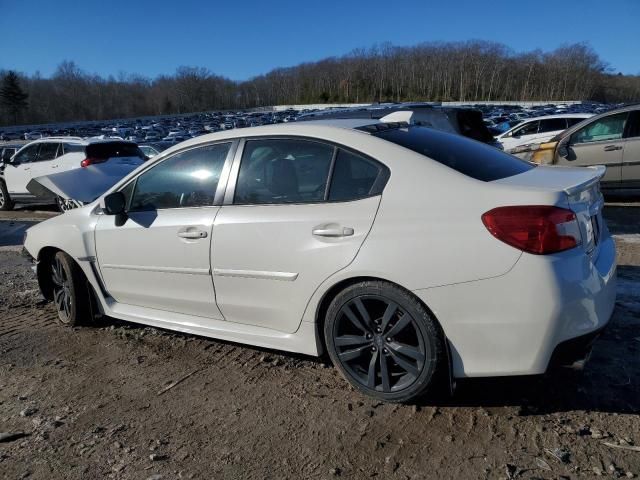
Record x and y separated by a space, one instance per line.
113 149
573 121
353 177
552 124
473 159
283 171
72 147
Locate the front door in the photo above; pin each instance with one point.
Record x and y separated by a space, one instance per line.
599 143
300 211
20 171
159 256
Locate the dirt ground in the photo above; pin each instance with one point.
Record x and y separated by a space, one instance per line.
93 402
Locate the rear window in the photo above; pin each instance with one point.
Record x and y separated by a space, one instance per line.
113 149
473 159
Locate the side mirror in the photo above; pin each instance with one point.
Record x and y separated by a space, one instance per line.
114 203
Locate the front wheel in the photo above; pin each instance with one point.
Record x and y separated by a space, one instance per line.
70 293
5 200
384 341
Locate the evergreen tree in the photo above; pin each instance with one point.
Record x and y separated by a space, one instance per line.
12 97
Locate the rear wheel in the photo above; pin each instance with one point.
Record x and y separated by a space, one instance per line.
5 200
384 341
70 293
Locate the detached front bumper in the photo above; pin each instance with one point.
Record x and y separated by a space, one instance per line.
513 324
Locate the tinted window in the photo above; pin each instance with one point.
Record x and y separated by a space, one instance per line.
530 128
573 121
474 159
353 176
187 179
48 151
72 147
28 154
633 129
605 129
552 124
283 171
113 149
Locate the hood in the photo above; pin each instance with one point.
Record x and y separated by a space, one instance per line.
81 184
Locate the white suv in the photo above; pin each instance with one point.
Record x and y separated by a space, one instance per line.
539 129
53 155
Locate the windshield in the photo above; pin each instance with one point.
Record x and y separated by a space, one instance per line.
471 158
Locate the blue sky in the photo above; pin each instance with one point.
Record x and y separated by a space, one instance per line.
241 39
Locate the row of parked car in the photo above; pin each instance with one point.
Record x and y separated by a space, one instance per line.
582 134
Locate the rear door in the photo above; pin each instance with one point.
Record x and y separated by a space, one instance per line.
600 142
631 153
296 211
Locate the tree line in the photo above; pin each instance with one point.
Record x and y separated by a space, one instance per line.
453 71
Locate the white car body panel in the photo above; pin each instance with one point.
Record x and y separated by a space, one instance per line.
502 311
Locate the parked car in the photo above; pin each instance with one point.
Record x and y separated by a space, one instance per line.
54 155
611 139
539 129
153 149
410 255
463 121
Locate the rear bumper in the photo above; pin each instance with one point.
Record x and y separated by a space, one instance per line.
512 324
574 353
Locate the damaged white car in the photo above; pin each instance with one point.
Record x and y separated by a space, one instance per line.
407 254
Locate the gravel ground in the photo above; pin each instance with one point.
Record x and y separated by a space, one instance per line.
122 401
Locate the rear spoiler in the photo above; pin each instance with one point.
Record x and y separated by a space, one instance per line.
598 170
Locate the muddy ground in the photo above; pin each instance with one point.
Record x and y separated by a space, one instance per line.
93 402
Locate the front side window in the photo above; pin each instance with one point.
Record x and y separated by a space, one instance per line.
530 128
187 179
276 171
28 154
605 129
48 151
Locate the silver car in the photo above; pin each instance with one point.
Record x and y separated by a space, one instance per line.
611 139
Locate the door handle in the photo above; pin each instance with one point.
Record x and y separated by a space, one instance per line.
612 148
332 230
192 234
54 166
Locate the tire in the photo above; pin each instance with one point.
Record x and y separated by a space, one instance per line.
70 293
5 200
382 320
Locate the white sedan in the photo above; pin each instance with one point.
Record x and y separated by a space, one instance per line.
407 254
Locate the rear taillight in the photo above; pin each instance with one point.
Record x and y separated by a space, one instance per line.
537 229
91 161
